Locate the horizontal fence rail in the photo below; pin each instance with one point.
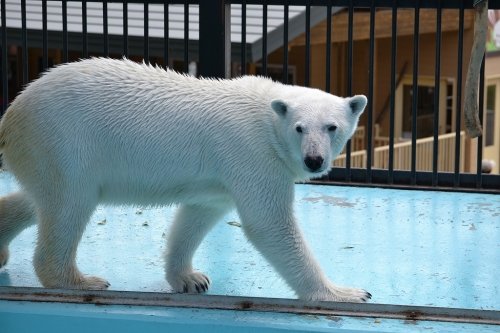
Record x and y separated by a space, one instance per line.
235 303
334 45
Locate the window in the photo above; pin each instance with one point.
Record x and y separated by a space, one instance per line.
425 111
425 107
489 123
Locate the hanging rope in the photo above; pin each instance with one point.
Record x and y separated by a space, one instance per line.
471 109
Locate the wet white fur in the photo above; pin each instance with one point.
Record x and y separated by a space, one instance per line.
104 131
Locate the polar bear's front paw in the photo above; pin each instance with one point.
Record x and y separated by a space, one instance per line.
353 295
191 282
342 294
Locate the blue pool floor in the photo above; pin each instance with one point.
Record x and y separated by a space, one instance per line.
405 247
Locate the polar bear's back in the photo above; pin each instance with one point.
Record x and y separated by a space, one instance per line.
121 87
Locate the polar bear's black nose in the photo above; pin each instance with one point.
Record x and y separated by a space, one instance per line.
313 162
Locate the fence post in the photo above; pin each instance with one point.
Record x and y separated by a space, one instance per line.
5 61
215 38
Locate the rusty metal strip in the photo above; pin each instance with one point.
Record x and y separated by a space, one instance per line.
402 312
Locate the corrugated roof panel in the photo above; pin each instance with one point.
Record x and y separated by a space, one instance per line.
135 14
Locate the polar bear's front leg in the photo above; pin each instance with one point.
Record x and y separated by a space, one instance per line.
269 224
191 224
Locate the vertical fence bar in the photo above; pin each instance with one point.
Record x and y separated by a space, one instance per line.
307 78
479 173
186 37
285 43
125 28
24 42
328 64
146 32
85 51
215 38
264 40
166 34
392 101
437 83
369 132
45 50
244 38
105 31
458 119
5 76
65 30
350 46
414 114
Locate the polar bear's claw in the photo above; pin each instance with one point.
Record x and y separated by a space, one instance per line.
366 297
201 288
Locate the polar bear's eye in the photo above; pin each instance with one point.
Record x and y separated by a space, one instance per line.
298 129
332 128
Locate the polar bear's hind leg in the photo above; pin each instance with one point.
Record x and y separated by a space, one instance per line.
16 213
62 220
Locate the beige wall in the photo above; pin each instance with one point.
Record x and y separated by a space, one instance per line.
492 66
426 66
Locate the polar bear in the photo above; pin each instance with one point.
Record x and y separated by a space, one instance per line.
103 131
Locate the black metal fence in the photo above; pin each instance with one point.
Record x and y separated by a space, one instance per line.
216 55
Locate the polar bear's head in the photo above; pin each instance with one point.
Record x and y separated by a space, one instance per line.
314 127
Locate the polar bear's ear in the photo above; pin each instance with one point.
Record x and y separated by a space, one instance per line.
358 104
279 107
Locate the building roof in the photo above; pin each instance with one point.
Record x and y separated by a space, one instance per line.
254 21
